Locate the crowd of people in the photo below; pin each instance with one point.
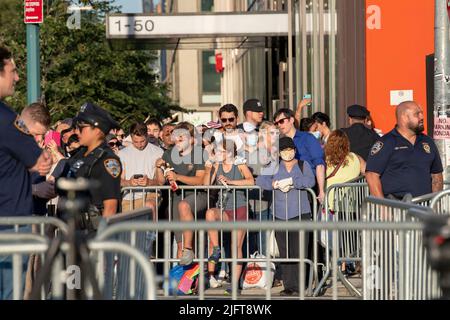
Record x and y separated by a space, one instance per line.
282 158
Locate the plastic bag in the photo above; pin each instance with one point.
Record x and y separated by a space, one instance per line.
254 275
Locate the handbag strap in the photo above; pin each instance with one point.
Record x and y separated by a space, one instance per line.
335 170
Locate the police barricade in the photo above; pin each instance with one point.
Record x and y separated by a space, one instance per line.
343 202
20 246
259 206
44 226
395 262
441 203
119 267
303 228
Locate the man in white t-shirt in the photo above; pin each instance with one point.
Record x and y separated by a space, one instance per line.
138 163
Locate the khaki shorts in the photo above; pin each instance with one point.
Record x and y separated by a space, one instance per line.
135 204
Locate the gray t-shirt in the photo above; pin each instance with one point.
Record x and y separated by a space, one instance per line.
186 165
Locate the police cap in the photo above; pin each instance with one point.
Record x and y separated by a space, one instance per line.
97 117
357 111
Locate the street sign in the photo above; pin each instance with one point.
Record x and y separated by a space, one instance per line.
34 11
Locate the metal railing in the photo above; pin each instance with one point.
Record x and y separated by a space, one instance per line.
343 202
301 227
441 203
397 258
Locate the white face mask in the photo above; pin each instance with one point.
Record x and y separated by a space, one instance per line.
252 140
317 134
287 155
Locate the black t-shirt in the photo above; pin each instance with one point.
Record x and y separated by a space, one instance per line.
186 165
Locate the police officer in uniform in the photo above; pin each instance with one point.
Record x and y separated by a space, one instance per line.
96 161
361 138
405 161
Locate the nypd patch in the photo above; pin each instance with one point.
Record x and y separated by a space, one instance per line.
426 147
21 126
113 167
376 148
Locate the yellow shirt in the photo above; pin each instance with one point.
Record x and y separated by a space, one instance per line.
345 173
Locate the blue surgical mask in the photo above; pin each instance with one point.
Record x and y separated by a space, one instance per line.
317 134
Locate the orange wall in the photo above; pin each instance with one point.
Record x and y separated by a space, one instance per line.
396 55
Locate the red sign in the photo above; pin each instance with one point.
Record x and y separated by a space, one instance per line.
34 11
448 8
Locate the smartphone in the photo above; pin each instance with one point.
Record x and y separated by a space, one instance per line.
138 176
307 96
53 136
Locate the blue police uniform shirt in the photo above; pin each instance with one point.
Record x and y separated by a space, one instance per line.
18 153
309 149
405 168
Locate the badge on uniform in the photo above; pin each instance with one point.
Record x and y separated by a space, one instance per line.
376 148
426 147
113 167
21 126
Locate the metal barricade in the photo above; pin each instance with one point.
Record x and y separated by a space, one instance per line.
441 203
19 245
254 241
302 227
395 262
343 202
40 224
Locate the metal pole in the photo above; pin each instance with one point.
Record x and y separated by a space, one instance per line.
442 75
33 64
290 56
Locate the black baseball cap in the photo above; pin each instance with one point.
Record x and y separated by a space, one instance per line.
253 105
96 117
357 111
286 143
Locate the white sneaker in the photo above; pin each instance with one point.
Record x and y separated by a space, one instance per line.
213 283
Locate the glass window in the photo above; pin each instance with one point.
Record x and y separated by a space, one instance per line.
211 91
207 5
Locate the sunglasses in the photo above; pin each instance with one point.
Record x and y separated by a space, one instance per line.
230 120
281 121
113 144
120 136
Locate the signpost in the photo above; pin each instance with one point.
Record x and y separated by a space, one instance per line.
33 15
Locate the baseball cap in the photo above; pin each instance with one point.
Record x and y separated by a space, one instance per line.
253 105
286 143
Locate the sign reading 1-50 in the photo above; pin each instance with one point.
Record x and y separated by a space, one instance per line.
139 25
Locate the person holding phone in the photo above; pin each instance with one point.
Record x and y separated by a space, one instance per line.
139 164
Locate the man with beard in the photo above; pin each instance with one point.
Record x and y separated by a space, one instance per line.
405 161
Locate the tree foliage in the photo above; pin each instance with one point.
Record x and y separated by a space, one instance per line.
78 65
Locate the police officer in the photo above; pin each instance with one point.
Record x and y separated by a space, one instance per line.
19 155
405 161
361 138
95 160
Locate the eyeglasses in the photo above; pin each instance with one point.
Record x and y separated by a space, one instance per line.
274 133
281 121
230 120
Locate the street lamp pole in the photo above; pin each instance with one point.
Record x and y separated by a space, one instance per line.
442 82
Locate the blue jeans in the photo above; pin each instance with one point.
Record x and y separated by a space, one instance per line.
6 269
266 215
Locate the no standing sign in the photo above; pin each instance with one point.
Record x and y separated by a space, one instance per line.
33 11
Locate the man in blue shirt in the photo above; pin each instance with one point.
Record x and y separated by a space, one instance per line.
405 161
307 146
19 154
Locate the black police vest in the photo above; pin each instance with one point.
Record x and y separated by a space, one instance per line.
82 167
